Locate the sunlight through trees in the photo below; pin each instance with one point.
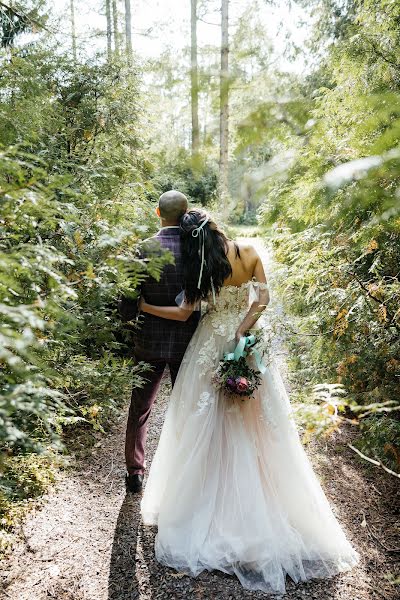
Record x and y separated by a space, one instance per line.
295 133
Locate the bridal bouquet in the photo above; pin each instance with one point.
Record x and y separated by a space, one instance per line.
234 375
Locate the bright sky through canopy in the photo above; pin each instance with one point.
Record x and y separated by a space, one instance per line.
158 24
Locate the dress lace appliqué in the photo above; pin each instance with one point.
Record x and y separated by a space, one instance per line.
208 357
204 402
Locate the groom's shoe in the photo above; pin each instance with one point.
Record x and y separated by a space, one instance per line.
134 483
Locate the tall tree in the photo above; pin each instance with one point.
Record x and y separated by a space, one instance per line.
73 30
115 23
109 29
128 31
224 100
194 79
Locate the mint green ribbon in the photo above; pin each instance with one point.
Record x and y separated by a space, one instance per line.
240 351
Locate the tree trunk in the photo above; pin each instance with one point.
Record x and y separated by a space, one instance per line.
224 101
194 79
115 23
109 29
128 31
73 30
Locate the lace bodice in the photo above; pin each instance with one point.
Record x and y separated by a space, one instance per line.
223 318
231 297
235 299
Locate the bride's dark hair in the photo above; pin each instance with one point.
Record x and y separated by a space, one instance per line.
196 227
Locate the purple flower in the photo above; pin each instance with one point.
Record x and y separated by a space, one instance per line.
231 383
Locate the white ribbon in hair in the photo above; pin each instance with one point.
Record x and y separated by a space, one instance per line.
199 232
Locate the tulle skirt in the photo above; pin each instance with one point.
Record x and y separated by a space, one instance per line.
230 486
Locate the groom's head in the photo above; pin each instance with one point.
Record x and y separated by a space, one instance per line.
171 206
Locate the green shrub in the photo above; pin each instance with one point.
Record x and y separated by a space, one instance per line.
74 206
336 219
23 479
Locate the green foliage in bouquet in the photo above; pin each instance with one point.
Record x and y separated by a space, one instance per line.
234 374
237 378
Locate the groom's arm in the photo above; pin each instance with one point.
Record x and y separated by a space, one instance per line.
174 313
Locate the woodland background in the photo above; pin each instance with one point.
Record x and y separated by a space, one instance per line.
91 134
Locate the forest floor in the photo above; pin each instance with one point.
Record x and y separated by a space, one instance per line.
85 539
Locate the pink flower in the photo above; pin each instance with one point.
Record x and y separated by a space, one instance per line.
242 385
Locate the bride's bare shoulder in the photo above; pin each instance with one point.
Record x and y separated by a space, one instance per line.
246 263
247 251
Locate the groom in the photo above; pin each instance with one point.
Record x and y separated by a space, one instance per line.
158 342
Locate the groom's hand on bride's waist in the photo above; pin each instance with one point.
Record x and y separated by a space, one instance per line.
142 304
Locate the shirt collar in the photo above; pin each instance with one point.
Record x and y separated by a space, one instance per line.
169 230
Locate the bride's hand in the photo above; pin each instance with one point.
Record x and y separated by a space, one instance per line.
238 335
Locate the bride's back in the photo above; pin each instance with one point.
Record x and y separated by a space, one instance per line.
244 264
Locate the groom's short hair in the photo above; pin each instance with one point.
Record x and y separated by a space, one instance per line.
172 205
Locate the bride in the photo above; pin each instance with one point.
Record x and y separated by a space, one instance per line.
230 486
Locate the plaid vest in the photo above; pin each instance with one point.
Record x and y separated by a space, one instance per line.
158 338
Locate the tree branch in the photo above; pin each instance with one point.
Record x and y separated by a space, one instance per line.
374 462
208 22
20 14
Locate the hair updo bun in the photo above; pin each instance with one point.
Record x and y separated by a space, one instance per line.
192 219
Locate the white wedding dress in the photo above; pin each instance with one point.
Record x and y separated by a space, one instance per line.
230 486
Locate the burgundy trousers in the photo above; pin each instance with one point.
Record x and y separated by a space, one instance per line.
142 400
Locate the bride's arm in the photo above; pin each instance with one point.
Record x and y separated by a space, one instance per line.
259 305
174 313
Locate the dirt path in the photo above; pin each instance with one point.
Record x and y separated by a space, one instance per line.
87 540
